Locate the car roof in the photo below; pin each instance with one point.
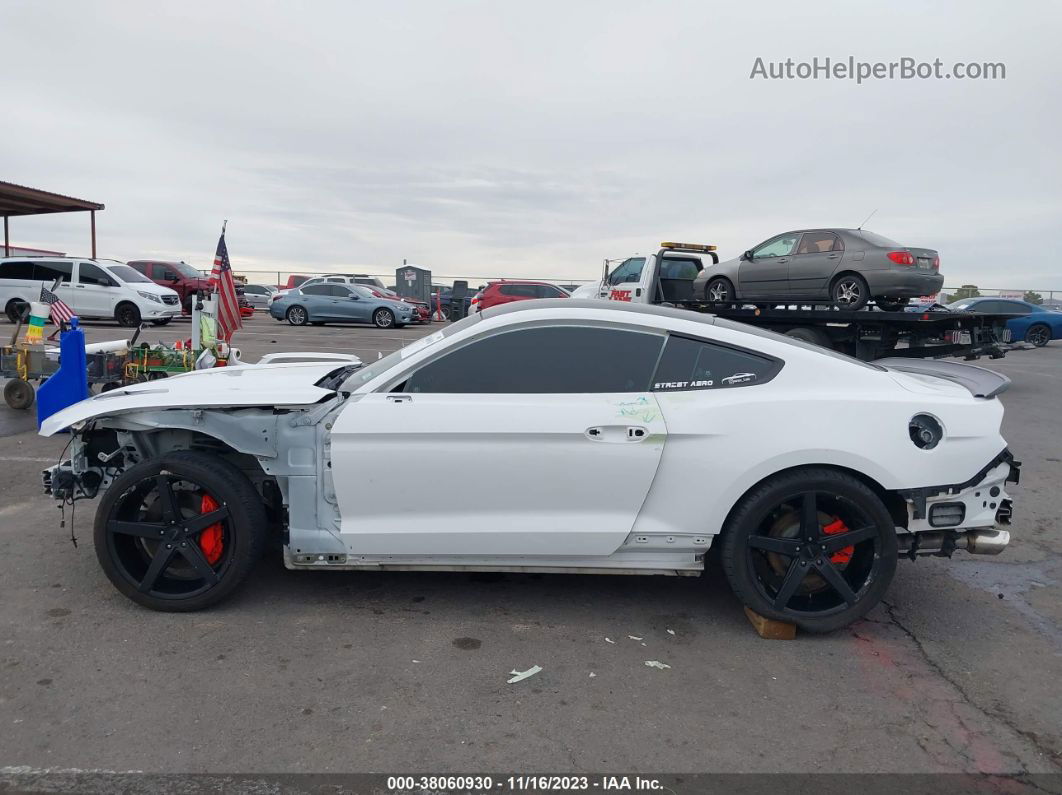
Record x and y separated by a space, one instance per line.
574 305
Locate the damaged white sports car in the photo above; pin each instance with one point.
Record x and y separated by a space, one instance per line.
559 436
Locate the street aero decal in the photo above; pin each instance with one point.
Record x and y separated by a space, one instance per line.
619 295
705 383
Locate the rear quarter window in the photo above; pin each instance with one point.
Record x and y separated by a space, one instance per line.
688 364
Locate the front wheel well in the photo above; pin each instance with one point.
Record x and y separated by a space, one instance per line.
893 502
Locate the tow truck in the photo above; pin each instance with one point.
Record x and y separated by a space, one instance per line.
666 278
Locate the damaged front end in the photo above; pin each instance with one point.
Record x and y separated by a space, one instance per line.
961 516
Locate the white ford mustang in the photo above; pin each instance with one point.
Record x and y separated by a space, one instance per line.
560 436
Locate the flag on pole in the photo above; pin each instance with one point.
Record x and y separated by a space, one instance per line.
58 311
228 319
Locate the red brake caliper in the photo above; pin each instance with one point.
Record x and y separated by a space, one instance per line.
210 539
844 554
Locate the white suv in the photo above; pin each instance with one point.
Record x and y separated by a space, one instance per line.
92 288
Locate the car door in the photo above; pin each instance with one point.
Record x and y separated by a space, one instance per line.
48 272
95 294
530 440
813 263
625 281
350 303
766 273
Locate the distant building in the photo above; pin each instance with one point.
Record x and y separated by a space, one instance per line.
22 251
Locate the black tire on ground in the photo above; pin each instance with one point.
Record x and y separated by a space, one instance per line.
19 394
127 314
15 309
161 321
815 547
445 312
849 291
297 316
383 318
1038 334
149 536
719 290
813 335
890 305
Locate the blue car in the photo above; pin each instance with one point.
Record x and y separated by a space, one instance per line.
1036 325
318 304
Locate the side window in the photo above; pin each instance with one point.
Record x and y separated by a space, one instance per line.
166 274
1013 308
17 270
520 290
627 271
336 279
695 364
87 273
779 247
675 268
545 360
317 289
254 289
547 291
339 291
819 243
50 271
141 267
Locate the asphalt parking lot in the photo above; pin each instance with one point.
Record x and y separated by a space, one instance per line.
401 672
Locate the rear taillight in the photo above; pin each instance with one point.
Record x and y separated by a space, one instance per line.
901 257
936 263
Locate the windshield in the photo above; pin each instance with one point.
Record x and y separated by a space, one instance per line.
366 374
127 274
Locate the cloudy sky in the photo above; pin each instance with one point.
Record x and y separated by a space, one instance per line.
529 138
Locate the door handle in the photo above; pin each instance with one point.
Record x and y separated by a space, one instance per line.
617 433
783 259
832 256
399 398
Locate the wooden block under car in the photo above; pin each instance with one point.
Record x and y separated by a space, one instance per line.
769 628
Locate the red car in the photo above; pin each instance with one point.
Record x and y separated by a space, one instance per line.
178 276
423 314
508 290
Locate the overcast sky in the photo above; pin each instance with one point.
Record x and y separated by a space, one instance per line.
529 138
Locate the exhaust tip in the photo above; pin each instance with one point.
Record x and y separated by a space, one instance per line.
987 542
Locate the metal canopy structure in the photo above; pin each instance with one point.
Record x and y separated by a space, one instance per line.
16 200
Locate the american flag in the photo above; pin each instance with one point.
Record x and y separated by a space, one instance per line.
58 311
228 318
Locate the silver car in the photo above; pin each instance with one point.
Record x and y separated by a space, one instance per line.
259 295
846 267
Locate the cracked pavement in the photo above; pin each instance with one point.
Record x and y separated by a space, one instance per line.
957 671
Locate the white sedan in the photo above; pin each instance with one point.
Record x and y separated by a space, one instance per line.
597 437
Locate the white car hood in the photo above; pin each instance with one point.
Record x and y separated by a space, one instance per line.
246 385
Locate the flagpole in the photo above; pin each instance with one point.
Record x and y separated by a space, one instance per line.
223 225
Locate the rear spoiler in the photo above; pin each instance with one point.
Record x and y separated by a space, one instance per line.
980 382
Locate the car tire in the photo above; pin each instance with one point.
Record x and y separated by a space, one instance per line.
383 318
157 556
719 290
127 314
19 394
889 305
15 309
297 316
785 564
813 335
1038 334
161 321
849 291
445 312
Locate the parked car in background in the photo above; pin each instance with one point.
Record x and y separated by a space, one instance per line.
421 313
258 295
294 280
92 288
506 291
180 277
321 303
1034 324
846 267
335 278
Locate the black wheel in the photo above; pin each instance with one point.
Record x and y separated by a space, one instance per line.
383 318
161 321
889 305
814 547
19 394
15 309
813 335
111 385
127 315
1038 335
719 290
445 312
179 532
297 316
850 291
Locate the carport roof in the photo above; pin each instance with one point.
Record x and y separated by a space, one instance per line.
20 200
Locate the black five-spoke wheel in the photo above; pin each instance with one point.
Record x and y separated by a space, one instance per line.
813 547
180 532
